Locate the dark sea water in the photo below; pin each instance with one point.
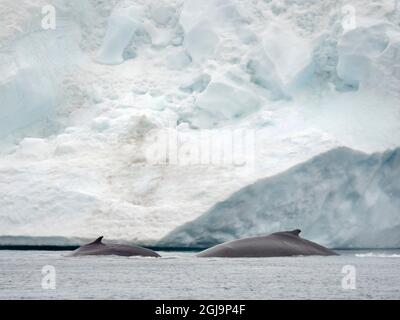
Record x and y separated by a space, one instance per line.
179 275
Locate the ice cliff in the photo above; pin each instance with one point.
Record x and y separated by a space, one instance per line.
120 120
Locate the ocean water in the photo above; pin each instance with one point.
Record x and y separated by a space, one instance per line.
180 275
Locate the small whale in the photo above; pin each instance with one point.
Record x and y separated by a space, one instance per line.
280 244
98 248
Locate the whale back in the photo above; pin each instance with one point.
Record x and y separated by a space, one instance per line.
279 244
295 232
98 248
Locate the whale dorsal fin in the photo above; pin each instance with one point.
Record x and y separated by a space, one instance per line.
98 240
295 232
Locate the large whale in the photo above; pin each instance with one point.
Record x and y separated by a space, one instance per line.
280 244
98 248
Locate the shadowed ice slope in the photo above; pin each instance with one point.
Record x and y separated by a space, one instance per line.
342 198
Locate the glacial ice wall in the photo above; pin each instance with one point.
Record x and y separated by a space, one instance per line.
36 65
85 108
342 199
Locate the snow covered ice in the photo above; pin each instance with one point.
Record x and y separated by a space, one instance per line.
84 107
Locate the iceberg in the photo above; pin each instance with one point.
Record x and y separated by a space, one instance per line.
342 199
86 108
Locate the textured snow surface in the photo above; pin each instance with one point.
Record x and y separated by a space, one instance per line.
103 120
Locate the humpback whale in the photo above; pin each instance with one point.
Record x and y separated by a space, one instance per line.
98 248
279 244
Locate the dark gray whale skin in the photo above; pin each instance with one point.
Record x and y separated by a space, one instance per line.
98 248
280 244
